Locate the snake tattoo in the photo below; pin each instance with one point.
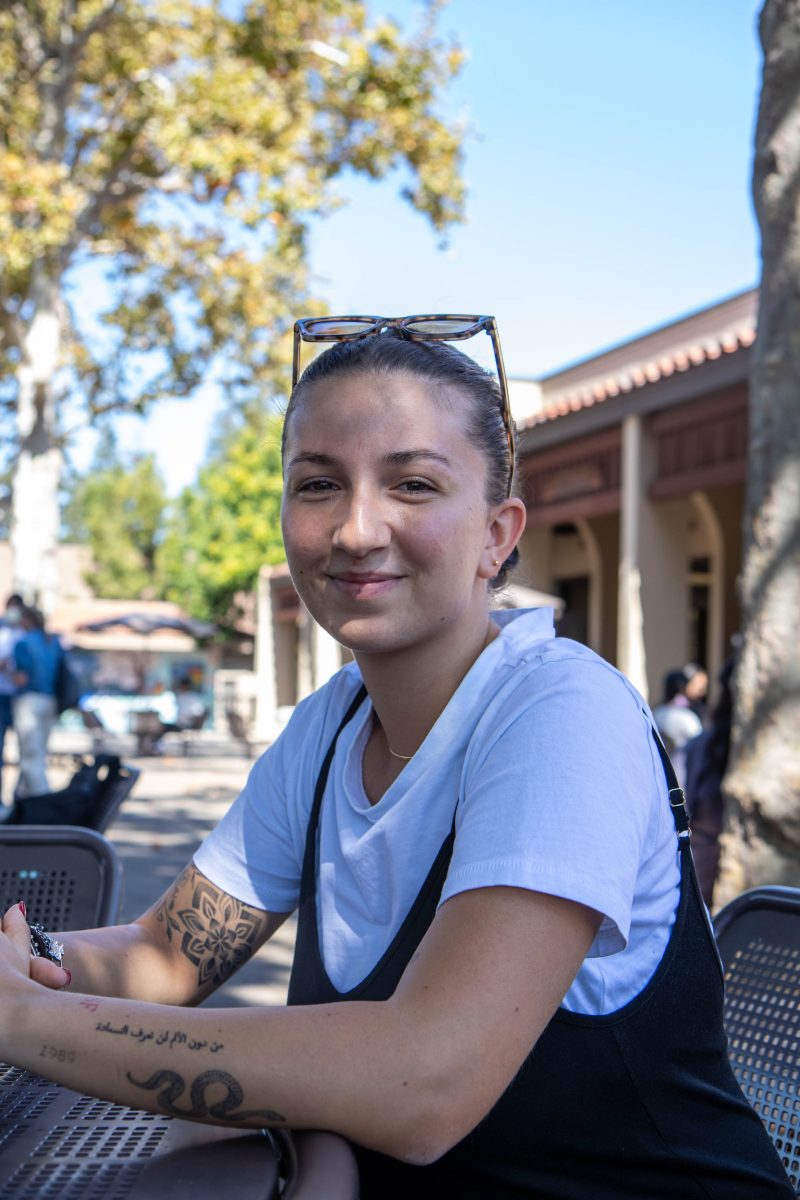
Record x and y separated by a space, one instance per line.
173 1086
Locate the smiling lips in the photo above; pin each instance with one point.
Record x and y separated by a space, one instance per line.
366 585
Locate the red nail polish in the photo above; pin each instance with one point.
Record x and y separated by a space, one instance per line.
22 908
68 974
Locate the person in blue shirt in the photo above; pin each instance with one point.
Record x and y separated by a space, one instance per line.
36 656
10 633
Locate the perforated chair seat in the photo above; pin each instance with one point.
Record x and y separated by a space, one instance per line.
758 935
67 876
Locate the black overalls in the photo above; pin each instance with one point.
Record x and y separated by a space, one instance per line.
640 1103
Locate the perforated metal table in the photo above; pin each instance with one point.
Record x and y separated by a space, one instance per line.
59 1144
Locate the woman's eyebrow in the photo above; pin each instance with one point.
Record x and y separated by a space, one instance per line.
402 458
317 457
398 458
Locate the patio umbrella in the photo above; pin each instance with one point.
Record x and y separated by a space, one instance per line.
145 623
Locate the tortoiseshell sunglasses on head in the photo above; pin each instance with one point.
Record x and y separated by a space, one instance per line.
430 328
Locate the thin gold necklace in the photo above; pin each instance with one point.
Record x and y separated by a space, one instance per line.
408 757
394 754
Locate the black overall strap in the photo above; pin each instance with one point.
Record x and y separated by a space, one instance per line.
677 799
307 879
680 815
309 982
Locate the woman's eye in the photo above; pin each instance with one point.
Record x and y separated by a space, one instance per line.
417 487
315 486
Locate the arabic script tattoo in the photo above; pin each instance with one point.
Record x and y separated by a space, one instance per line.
165 1038
173 1086
216 933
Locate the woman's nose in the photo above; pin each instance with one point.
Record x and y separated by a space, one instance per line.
363 526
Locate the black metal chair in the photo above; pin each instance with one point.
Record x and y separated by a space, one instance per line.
68 877
315 1165
96 728
91 798
758 935
238 730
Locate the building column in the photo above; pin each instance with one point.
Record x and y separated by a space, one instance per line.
653 621
326 657
712 528
266 679
305 660
594 561
631 658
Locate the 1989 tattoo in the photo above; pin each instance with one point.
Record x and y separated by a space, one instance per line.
58 1054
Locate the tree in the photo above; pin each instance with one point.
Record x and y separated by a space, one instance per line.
118 509
227 525
160 162
761 841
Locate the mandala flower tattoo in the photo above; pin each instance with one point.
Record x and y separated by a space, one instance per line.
216 933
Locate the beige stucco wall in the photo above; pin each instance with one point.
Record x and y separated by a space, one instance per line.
535 569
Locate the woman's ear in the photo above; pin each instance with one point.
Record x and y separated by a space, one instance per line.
506 526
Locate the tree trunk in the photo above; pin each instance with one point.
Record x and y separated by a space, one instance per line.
761 840
35 512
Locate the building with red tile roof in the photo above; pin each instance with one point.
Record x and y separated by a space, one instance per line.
632 467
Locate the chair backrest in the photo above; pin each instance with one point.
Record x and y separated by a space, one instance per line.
110 798
90 799
238 729
758 935
68 877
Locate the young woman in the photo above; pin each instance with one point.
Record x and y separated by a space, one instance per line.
505 983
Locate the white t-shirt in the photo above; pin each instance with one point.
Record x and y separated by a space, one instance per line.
547 752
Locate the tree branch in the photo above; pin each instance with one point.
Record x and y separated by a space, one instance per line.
102 126
33 52
103 196
97 23
11 325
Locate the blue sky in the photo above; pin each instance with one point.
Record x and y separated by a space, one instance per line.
608 169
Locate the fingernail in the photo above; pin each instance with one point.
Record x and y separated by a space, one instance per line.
22 908
68 974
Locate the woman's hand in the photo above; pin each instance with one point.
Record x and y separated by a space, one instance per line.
16 957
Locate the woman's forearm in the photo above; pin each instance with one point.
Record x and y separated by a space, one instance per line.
348 1068
123 960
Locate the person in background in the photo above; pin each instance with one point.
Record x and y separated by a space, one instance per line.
36 656
706 764
697 690
676 722
10 633
189 704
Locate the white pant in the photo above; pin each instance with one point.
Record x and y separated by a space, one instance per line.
34 716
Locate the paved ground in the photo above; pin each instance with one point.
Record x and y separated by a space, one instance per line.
176 801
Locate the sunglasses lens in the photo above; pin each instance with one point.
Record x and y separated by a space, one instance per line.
440 326
336 327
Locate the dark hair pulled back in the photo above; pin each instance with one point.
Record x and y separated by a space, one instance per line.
442 366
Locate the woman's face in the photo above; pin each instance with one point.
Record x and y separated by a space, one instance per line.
385 520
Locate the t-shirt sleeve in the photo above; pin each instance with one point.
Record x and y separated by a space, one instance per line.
251 854
256 851
558 794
